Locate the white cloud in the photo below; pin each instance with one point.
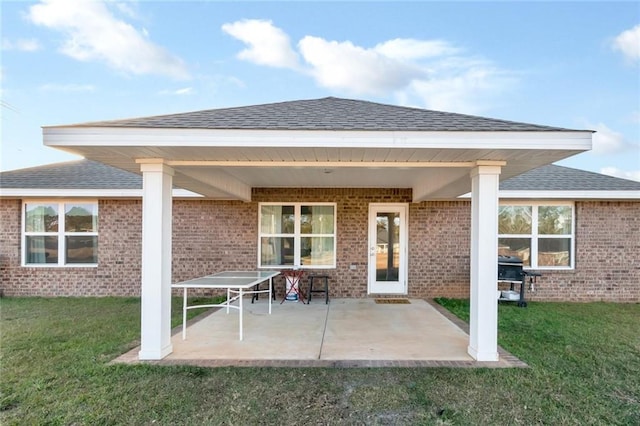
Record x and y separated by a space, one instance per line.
431 73
52 87
178 92
628 42
268 45
625 174
93 33
606 141
24 45
408 49
463 85
126 9
342 65
184 91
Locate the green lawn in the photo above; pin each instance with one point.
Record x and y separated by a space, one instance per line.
584 369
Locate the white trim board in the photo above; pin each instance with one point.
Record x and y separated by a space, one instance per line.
70 136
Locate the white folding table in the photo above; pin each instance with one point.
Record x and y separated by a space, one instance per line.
237 284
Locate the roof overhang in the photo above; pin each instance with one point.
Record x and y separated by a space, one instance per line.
226 164
86 193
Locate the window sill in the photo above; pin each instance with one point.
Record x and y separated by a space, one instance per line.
56 266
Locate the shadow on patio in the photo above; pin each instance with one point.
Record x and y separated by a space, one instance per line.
344 333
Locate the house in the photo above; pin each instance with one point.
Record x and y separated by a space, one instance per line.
386 200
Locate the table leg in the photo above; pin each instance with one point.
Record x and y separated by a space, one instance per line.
241 313
184 314
270 293
228 298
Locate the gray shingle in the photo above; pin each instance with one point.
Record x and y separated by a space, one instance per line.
559 178
80 174
325 114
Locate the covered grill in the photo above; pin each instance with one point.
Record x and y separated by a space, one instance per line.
510 271
510 268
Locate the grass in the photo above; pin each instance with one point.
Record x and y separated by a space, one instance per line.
584 369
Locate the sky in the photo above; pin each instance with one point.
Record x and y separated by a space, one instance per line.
573 64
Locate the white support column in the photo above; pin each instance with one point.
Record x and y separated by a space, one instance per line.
155 330
483 323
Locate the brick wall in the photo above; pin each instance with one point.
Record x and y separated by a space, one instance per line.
10 246
222 235
119 253
439 249
213 236
607 263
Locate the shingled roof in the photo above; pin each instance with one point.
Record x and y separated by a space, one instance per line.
325 114
558 178
80 174
86 174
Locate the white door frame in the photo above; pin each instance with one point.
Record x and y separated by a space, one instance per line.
389 287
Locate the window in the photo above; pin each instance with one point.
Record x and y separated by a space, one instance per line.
60 233
540 234
297 234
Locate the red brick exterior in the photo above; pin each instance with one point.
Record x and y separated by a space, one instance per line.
607 263
119 254
222 235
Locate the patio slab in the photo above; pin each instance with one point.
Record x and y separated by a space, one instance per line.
292 331
344 333
362 329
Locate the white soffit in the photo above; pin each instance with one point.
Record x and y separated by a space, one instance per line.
430 162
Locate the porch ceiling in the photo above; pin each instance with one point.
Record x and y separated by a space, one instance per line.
226 164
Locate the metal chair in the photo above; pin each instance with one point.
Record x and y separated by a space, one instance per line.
324 289
254 296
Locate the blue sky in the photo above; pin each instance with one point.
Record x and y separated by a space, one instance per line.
567 64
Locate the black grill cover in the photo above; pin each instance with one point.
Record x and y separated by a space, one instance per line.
510 268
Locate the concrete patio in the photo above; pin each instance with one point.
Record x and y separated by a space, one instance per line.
346 332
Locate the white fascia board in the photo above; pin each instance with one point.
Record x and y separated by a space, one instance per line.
92 193
566 195
155 137
572 195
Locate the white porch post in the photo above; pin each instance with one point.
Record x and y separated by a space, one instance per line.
155 330
483 323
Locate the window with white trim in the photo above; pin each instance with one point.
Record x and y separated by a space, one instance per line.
297 235
60 233
541 234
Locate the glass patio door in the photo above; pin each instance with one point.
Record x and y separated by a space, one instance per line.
388 248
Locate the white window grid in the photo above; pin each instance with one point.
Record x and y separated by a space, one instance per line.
296 235
61 234
534 236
